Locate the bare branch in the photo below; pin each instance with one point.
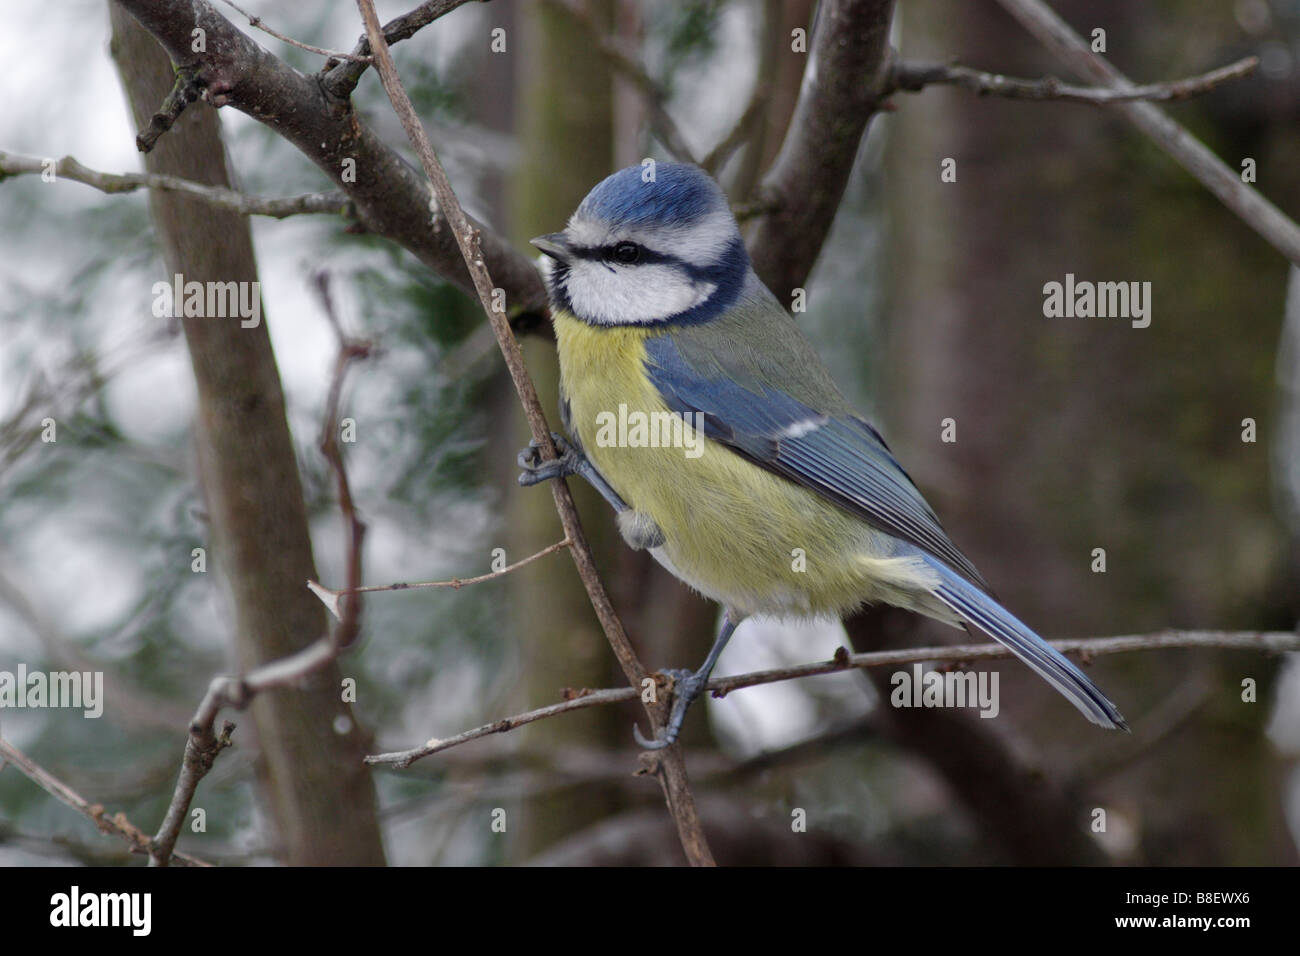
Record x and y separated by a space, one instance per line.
844 83
342 78
116 825
913 77
1271 642
583 699
13 164
1175 139
203 744
187 88
258 23
391 198
330 598
741 131
680 800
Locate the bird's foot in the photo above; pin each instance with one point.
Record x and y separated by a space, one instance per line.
687 686
535 470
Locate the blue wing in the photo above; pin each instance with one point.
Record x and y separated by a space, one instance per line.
842 458
837 455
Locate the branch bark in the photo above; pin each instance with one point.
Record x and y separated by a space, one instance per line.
914 77
391 197
116 825
1269 642
1176 140
671 766
336 204
319 794
845 81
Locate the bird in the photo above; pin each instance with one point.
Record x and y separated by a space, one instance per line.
699 411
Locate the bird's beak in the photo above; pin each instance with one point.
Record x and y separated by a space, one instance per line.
556 245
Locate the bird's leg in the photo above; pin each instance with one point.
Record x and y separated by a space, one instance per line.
571 461
688 686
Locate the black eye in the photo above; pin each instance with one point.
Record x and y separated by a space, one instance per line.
627 252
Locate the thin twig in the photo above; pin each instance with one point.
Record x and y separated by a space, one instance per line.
1273 642
115 825
913 77
772 58
403 759
391 197
661 122
342 78
330 597
1087 648
187 88
13 164
1176 140
740 132
676 788
258 23
204 744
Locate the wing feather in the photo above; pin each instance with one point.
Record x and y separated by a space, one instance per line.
833 453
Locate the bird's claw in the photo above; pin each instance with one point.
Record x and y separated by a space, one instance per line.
687 686
536 470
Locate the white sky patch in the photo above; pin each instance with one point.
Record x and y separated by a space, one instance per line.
88 585
702 115
153 400
772 716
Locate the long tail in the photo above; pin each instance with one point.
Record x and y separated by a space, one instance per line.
973 605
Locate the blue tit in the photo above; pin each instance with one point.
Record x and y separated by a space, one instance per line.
697 408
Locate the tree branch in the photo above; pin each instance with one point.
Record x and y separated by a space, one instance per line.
844 83
258 23
116 825
581 700
391 199
204 744
340 79
187 88
740 132
680 800
914 77
1252 208
1272 642
330 597
13 164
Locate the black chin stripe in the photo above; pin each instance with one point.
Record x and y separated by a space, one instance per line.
557 283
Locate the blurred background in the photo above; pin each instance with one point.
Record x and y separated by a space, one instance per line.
927 302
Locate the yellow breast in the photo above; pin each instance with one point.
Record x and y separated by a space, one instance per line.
737 533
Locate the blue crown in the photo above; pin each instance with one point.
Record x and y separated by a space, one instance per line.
679 193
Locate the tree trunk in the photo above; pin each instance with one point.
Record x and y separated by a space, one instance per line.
319 794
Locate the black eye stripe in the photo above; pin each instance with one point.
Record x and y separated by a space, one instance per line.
609 253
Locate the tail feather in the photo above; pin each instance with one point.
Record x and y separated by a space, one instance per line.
973 605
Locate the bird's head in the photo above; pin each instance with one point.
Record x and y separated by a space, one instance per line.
650 244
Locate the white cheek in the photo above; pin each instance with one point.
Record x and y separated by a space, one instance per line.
624 295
